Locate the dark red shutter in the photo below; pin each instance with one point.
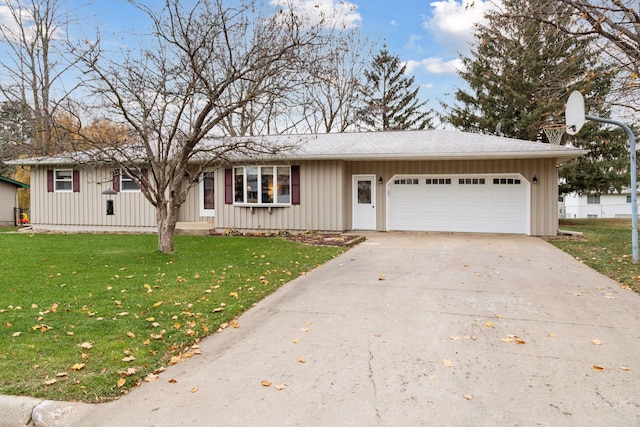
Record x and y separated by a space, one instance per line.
115 183
49 180
295 185
76 181
228 186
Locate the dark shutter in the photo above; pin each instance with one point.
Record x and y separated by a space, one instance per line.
295 185
115 183
76 181
49 180
228 186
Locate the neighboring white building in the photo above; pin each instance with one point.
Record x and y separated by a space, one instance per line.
595 205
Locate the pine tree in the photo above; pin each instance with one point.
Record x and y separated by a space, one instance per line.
519 76
391 98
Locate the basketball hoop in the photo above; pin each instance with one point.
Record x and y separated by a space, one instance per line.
554 132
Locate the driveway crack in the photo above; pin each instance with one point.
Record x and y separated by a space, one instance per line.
373 383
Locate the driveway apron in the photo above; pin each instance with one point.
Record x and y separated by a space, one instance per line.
410 329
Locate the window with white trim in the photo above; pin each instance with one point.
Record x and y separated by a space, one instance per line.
126 181
63 180
262 185
593 199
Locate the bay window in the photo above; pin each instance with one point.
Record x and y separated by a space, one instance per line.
262 185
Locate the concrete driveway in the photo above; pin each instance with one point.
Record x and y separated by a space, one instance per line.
463 330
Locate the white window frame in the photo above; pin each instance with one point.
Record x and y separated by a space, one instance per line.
57 180
259 189
124 177
206 212
593 199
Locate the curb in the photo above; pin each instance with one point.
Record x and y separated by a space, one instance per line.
18 411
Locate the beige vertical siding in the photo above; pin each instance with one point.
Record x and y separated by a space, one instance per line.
7 203
87 207
326 197
544 195
321 205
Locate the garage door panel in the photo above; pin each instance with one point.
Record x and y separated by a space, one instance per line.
465 204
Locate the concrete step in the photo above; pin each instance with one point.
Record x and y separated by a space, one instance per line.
195 228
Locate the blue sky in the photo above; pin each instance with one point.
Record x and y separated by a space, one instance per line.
427 34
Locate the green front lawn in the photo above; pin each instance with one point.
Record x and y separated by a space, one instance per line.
606 247
88 316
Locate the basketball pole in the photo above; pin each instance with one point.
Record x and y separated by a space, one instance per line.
634 188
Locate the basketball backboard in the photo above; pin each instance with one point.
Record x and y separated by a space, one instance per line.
574 113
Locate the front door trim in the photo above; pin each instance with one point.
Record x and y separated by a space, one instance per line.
363 214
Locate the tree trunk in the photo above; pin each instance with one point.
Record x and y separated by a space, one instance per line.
166 217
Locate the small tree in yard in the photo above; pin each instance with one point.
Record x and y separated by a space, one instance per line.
175 94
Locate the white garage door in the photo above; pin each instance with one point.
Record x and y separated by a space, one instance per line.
480 203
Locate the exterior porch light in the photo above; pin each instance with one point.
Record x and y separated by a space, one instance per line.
535 179
380 180
109 192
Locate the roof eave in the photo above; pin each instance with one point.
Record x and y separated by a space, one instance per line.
560 156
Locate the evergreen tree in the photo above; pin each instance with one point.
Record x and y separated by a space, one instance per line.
391 98
519 76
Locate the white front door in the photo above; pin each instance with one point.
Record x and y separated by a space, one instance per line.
364 202
206 194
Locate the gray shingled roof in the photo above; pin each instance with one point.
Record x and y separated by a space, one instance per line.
419 145
397 145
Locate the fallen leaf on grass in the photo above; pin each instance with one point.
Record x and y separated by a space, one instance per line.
131 335
77 366
86 345
129 359
50 381
62 374
16 334
121 381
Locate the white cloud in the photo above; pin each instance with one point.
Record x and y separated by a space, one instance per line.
435 66
452 21
393 22
343 13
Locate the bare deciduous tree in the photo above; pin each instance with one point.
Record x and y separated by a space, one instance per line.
208 61
34 64
618 23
